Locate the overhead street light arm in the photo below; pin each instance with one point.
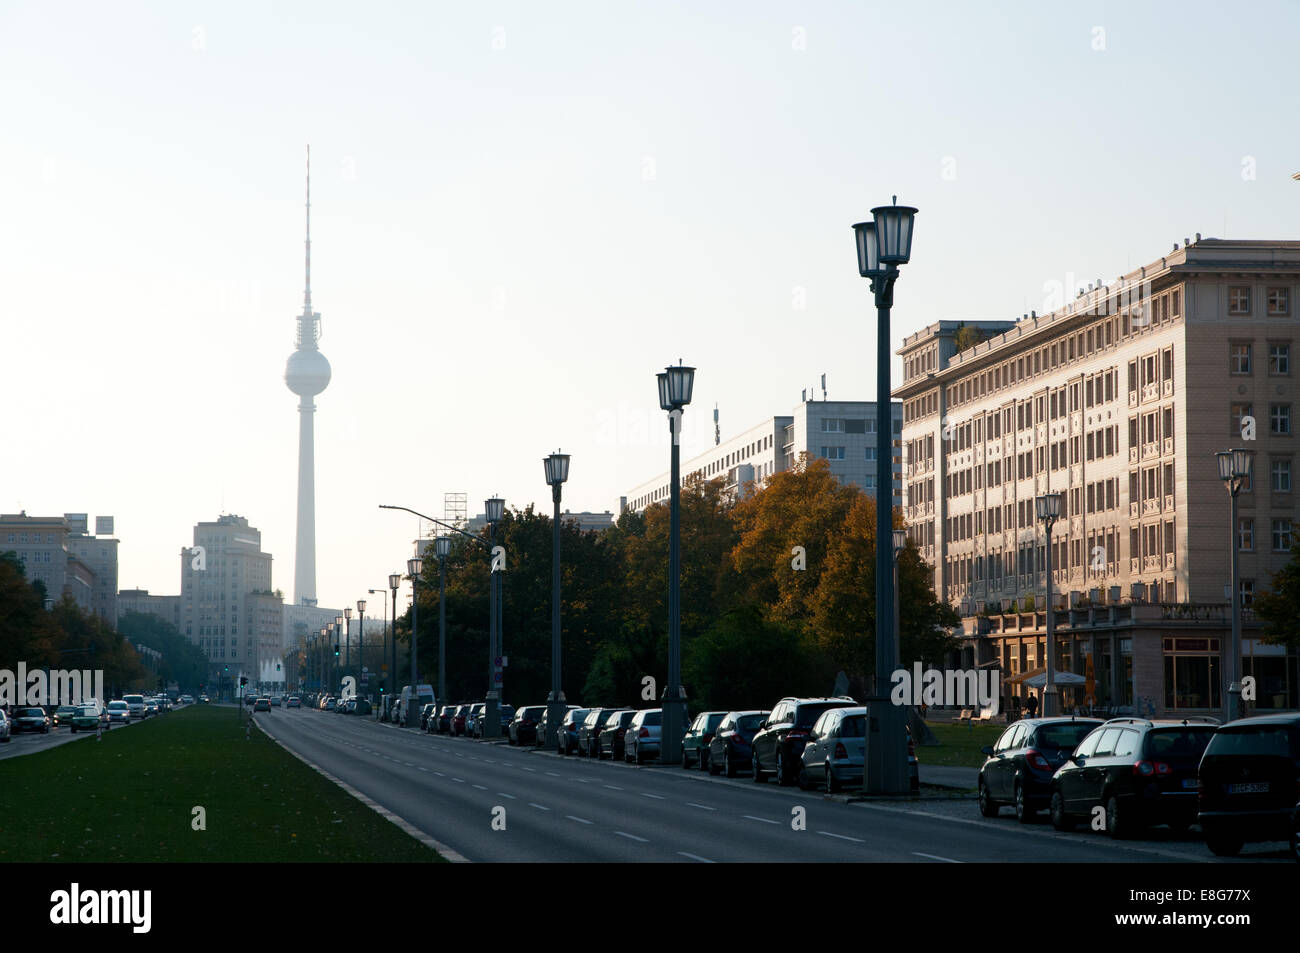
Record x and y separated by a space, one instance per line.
457 529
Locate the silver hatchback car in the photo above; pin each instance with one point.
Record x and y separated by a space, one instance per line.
836 751
641 740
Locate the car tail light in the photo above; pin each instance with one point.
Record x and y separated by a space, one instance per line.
1036 760
797 735
1147 769
840 751
645 733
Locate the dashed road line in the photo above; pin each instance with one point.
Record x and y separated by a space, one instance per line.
631 837
946 860
703 860
856 840
751 817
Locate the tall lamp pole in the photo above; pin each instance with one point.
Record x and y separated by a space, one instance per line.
414 567
347 641
383 654
557 471
1234 470
883 244
1048 509
675 387
494 509
361 641
442 549
900 544
394 581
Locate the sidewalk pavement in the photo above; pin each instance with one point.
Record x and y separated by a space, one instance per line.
962 778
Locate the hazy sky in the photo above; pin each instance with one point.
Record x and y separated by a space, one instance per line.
523 211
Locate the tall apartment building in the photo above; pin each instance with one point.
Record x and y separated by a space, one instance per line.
1119 401
224 577
842 432
167 608
99 552
41 544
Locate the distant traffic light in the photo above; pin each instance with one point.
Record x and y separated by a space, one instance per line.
336 650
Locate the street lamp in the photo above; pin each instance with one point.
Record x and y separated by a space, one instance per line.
414 567
361 640
394 581
675 387
383 655
494 509
557 471
883 244
1234 470
1048 509
442 548
347 639
900 544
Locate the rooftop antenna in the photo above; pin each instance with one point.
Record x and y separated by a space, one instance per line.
823 387
306 294
717 431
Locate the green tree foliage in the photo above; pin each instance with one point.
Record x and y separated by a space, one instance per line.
182 661
1279 607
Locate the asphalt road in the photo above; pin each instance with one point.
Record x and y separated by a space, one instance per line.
575 809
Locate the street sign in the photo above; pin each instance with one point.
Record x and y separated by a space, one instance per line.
497 678
365 668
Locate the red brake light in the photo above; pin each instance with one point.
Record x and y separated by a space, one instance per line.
1148 768
644 733
1036 760
840 750
797 733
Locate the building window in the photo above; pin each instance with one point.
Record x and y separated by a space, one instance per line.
1246 592
1279 419
1239 300
1237 412
871 453
833 453
1246 534
1279 302
1281 476
832 425
1281 536
1279 360
1239 358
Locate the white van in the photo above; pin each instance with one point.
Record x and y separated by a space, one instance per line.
136 704
412 702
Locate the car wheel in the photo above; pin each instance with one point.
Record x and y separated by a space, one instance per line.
833 785
1119 820
801 779
988 807
636 754
728 766
1060 820
1179 827
1023 814
782 779
758 774
686 761
1225 846
705 763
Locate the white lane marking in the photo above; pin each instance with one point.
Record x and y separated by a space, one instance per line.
440 774
408 764
631 837
856 840
657 797
538 806
751 817
613 787
479 786
422 768
703 860
526 768
459 780
580 820
703 807
504 794
552 774
946 860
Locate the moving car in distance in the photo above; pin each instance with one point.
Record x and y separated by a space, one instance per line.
87 718
62 716
135 704
119 710
293 701
31 719
262 704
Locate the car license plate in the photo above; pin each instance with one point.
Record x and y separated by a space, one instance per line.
1189 782
1254 787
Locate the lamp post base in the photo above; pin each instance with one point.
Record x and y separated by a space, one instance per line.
556 709
491 727
672 728
1051 701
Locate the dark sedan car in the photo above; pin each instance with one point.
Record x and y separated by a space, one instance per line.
1020 765
458 719
31 719
730 748
589 732
566 741
695 745
610 741
425 712
523 727
62 716
1139 771
778 745
1250 784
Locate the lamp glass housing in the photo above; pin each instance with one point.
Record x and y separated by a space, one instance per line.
394 580
361 605
414 566
894 233
494 508
868 250
664 402
681 383
1048 506
442 546
900 540
347 613
557 468
338 620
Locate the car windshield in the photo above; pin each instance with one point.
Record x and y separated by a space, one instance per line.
749 722
652 718
118 705
808 714
855 726
1066 735
87 711
31 711
1186 742
711 724
1266 740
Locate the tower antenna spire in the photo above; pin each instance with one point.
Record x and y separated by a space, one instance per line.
306 295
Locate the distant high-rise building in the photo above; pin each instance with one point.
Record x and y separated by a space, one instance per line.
99 552
307 373
43 545
167 608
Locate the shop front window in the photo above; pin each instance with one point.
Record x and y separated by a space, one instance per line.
1192 674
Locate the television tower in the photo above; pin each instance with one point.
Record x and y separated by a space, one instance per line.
306 373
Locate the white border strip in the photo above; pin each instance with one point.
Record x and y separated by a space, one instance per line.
406 826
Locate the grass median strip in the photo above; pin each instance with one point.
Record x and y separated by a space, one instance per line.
133 795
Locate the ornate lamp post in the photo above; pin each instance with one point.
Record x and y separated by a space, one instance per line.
442 549
1048 509
1235 467
557 471
883 244
494 509
361 640
675 388
414 567
900 544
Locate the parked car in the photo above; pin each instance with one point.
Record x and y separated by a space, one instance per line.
119 710
1141 771
522 729
6 729
609 744
31 719
641 738
507 714
458 719
1249 784
777 746
695 745
731 748
566 739
1019 766
589 731
472 719
87 718
63 716
425 712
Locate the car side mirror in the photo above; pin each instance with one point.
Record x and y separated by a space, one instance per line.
987 750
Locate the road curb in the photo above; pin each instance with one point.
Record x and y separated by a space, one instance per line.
406 826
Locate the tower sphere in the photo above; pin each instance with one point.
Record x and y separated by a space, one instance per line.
307 372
